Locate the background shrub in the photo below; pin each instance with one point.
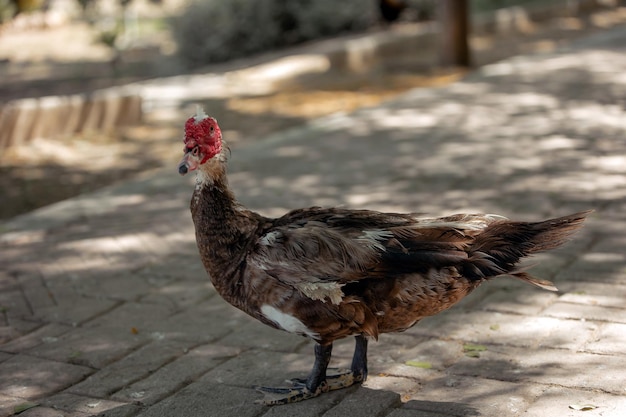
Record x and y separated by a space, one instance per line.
217 30
303 20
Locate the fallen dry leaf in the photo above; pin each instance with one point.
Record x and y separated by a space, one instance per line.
583 407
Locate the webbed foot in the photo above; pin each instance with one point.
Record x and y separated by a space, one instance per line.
320 380
342 378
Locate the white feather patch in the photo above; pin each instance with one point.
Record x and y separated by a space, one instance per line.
322 290
471 222
270 238
373 238
202 179
286 321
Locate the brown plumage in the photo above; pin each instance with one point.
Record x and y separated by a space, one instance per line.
329 273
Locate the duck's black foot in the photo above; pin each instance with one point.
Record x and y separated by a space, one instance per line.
342 378
321 379
336 378
279 396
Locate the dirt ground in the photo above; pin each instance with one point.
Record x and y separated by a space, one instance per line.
52 170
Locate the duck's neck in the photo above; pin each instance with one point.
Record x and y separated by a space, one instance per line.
224 228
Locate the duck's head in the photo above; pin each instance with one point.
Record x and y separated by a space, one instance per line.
203 141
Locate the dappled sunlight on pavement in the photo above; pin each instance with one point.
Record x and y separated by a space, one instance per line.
106 292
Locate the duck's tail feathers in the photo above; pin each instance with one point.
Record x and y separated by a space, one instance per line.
503 244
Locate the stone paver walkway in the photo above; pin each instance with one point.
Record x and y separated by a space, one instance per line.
106 310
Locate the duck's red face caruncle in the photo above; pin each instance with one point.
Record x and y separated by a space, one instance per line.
203 141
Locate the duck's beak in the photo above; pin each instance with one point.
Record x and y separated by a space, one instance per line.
187 164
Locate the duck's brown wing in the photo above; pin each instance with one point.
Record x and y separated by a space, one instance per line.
317 250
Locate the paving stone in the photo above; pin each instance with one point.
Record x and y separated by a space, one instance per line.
128 410
594 294
406 412
546 366
144 317
48 412
30 377
365 401
608 244
72 403
547 265
592 270
417 375
135 366
261 367
180 268
155 243
557 401
46 333
73 309
202 323
586 312
434 353
519 300
14 304
200 399
122 286
254 334
8 333
601 258
8 280
477 327
311 408
508 329
609 339
389 355
7 404
181 294
392 384
177 374
463 396
93 347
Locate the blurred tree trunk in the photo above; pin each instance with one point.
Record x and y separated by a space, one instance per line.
454 23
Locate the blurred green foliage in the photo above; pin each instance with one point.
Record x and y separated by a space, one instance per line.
218 30
7 10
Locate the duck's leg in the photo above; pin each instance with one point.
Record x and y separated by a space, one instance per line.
313 386
318 381
357 373
342 378
359 359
